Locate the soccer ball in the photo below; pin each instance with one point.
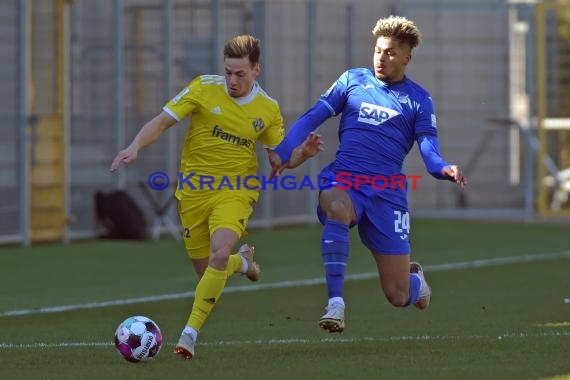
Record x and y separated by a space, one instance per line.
138 339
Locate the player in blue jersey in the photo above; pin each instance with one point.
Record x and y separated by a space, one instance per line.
383 113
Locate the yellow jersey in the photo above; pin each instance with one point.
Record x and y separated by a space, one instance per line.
219 147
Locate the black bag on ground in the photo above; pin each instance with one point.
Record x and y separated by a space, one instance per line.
121 217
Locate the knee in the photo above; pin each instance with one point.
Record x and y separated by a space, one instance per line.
339 210
396 296
219 257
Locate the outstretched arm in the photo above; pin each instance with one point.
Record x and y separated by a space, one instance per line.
299 134
148 134
436 165
312 146
301 128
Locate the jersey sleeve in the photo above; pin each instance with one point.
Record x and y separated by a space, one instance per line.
335 97
307 123
330 104
426 136
186 101
425 120
429 149
274 134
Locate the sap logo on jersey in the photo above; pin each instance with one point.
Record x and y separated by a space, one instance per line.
375 115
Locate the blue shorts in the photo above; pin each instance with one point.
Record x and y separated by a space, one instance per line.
381 215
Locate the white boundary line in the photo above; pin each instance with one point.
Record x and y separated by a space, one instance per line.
289 284
408 338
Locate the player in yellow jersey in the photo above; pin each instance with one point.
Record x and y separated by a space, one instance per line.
229 114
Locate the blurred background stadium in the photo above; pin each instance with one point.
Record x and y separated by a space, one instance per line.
80 77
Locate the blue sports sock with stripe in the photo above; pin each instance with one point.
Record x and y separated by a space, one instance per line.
334 250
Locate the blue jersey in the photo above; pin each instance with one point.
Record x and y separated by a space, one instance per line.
380 121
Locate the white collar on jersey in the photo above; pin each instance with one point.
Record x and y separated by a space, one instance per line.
245 99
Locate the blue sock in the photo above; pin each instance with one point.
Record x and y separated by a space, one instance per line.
334 250
415 283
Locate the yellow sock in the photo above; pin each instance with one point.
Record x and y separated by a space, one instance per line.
234 264
208 292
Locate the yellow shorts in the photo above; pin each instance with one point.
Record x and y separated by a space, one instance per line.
204 212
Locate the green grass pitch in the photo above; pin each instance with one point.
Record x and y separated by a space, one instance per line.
488 319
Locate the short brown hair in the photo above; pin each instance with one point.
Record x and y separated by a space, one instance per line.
400 28
243 46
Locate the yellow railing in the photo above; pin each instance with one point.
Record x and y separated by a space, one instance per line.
553 181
